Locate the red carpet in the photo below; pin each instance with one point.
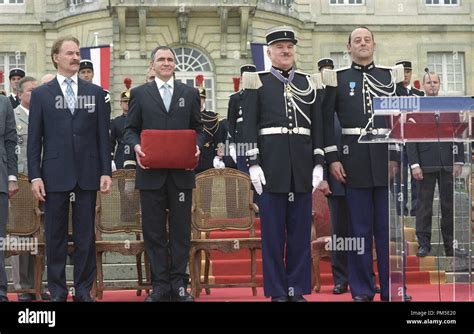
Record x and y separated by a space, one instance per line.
420 293
235 267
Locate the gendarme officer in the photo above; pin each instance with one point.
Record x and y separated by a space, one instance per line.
362 167
283 134
235 117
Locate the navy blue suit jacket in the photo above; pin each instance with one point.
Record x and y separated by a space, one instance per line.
67 150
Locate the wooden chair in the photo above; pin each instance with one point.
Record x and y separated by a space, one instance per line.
222 201
320 236
24 221
119 212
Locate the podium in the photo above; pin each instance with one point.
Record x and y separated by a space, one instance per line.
430 123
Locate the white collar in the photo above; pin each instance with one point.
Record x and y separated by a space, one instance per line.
27 111
408 87
61 78
160 82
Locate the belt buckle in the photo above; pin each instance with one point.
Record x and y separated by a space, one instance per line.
363 132
284 130
296 130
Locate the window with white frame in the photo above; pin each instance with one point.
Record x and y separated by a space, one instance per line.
7 62
190 63
12 2
450 67
341 59
442 2
73 3
346 2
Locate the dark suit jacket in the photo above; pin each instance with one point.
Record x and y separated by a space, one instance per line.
147 111
66 150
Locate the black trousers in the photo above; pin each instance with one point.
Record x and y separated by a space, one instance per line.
56 212
340 220
168 249
424 213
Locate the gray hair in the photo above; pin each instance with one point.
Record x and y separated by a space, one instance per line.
22 82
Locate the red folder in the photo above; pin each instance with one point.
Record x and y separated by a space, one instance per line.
172 149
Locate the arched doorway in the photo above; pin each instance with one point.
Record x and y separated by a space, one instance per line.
191 62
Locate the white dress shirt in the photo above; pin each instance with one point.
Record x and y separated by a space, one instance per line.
160 83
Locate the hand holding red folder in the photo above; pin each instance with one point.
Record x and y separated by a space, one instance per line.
170 149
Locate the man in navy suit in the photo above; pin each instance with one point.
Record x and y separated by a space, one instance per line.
69 160
165 194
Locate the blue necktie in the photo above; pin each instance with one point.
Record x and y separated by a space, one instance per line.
166 96
70 97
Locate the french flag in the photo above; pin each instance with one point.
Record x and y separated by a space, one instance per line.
259 56
100 57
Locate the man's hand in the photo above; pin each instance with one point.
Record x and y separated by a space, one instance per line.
139 154
457 170
37 187
392 169
324 188
417 173
258 178
218 163
12 188
317 176
337 170
105 184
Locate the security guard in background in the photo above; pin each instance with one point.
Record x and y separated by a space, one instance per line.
336 195
86 72
283 133
405 89
123 155
15 75
235 117
215 137
363 168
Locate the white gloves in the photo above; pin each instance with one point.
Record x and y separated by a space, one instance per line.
114 167
258 178
218 163
233 152
317 176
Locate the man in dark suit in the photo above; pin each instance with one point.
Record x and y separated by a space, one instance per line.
165 194
8 180
69 160
405 89
15 75
431 163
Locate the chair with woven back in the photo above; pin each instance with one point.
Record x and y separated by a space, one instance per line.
320 236
24 222
119 213
222 201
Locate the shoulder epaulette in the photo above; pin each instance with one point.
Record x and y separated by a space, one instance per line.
317 80
251 80
398 72
329 77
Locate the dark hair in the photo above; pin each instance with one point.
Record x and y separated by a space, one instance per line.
158 48
23 81
58 43
360 27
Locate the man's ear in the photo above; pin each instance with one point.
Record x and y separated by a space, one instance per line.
375 46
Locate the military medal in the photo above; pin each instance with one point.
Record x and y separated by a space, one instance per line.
352 85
